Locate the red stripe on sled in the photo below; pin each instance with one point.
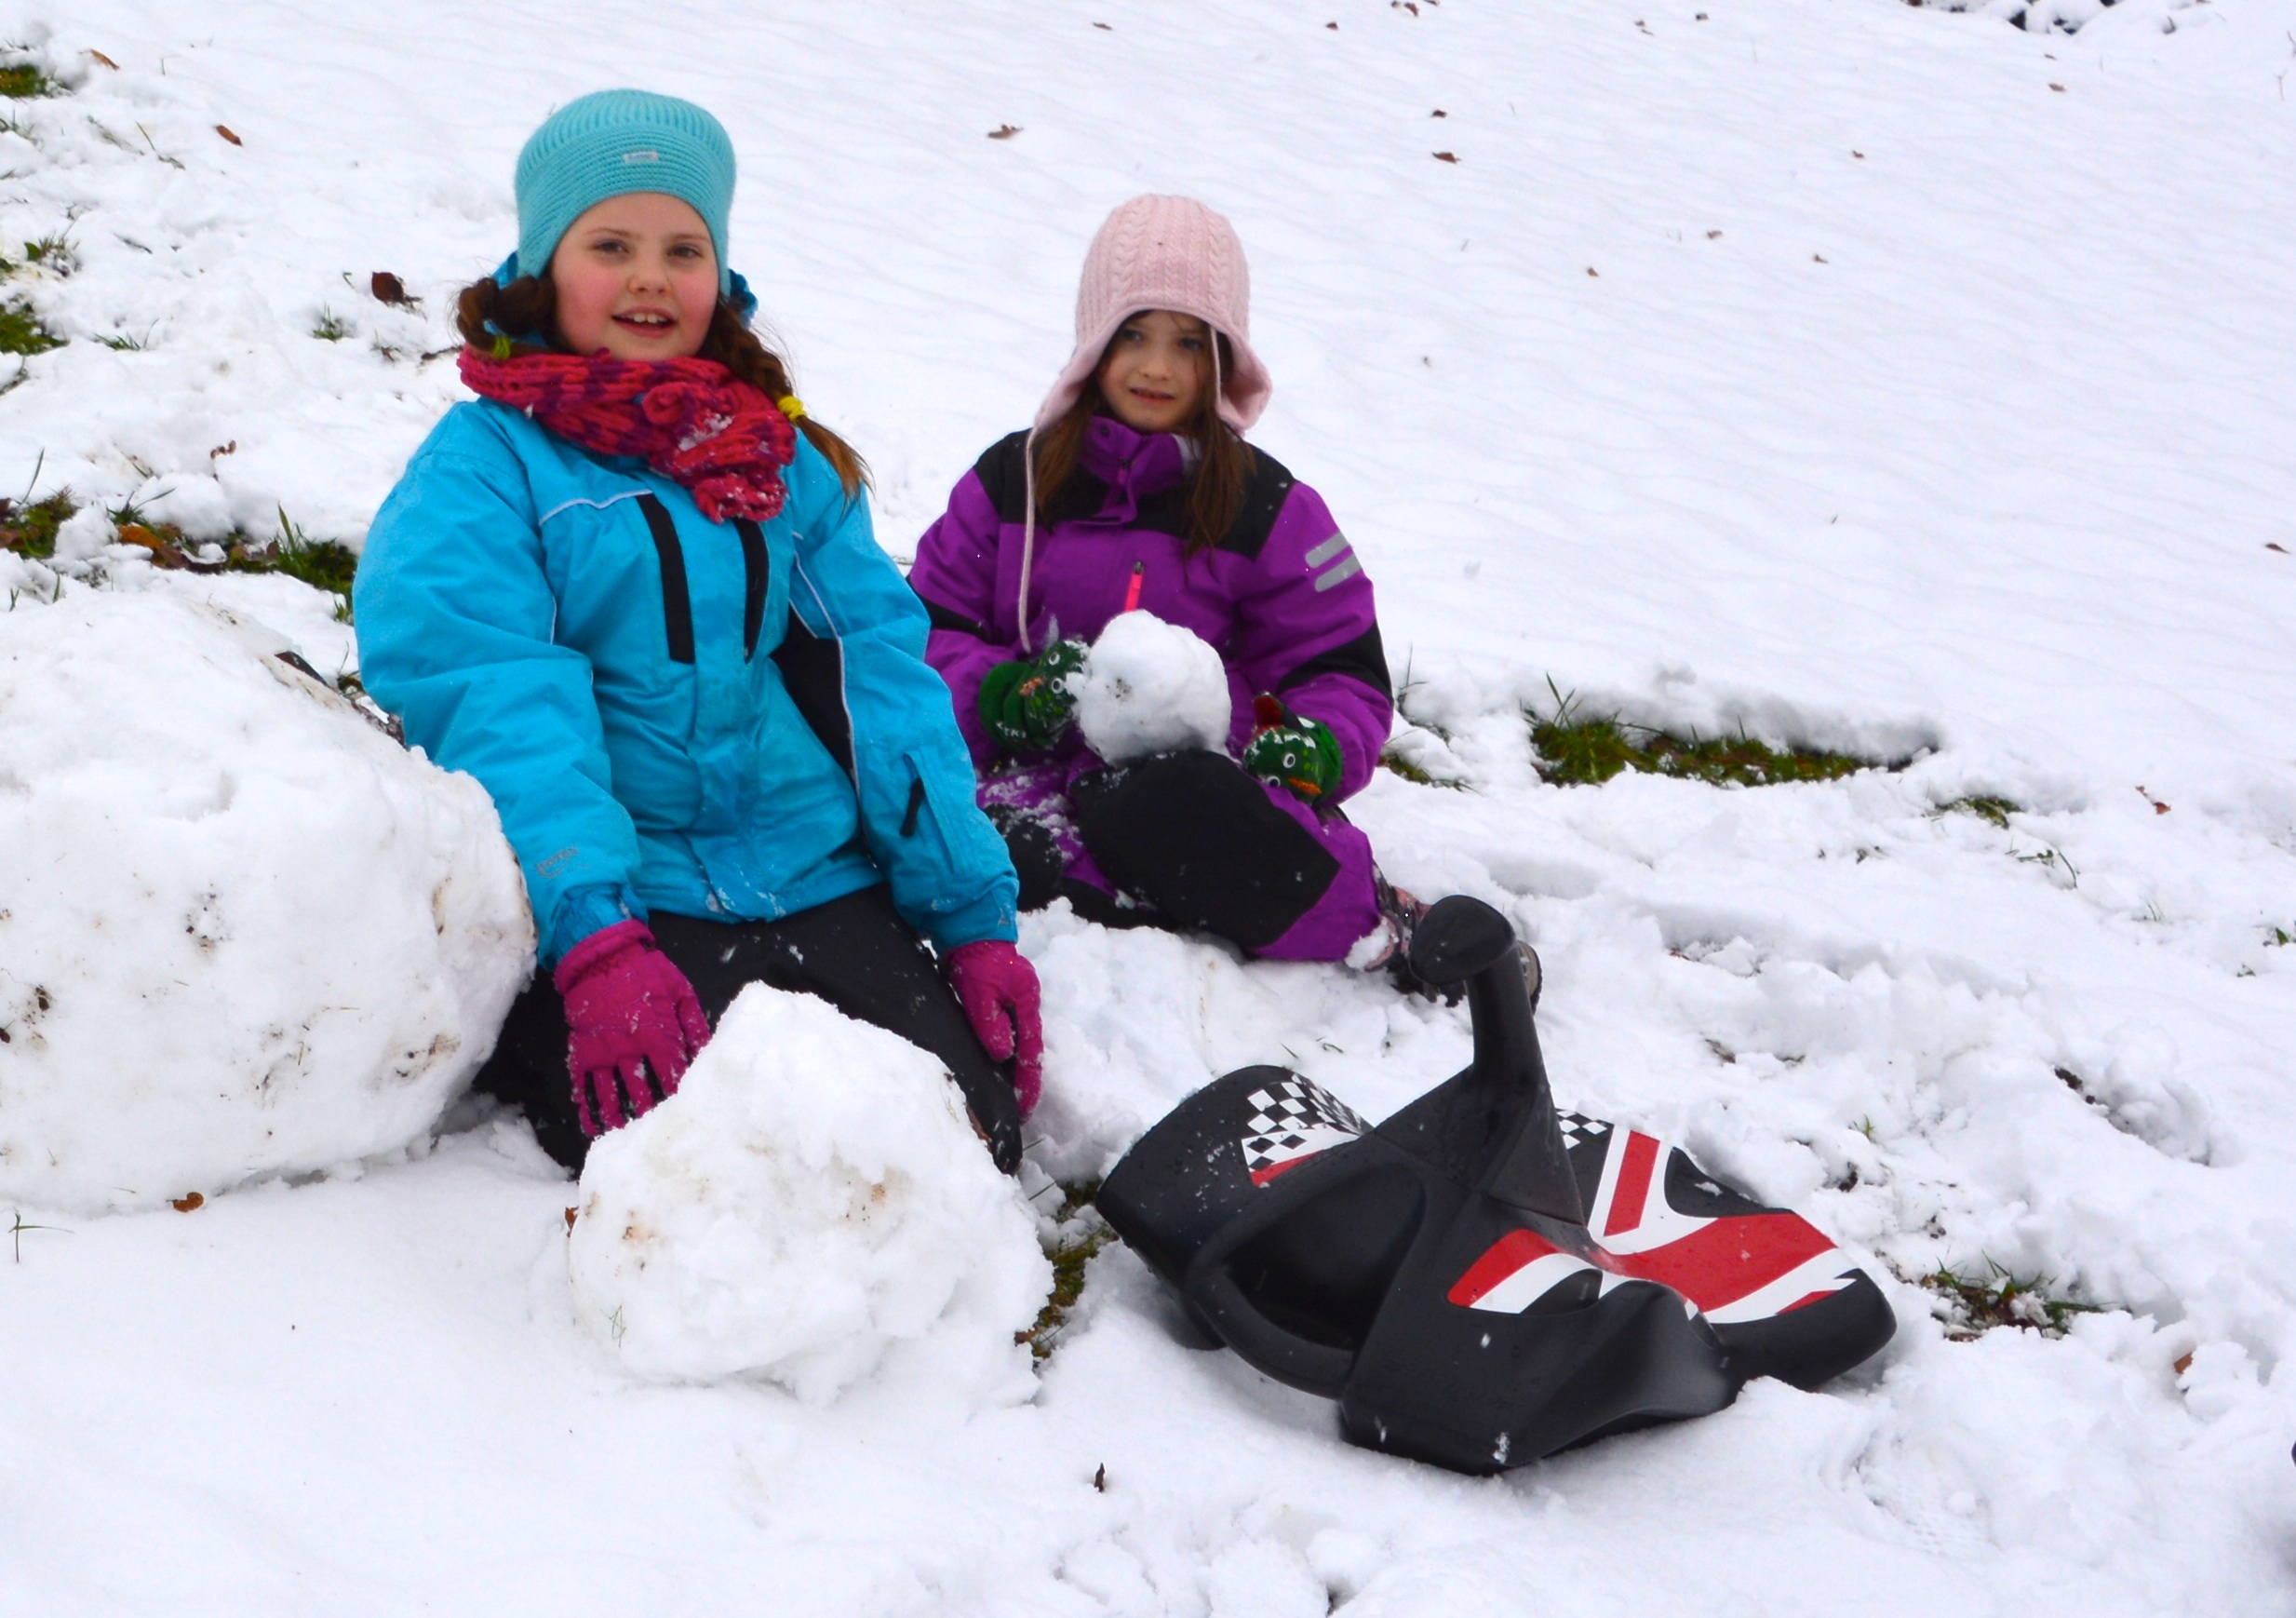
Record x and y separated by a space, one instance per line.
1626 1201
1507 1255
1724 1261
1262 1176
1805 1301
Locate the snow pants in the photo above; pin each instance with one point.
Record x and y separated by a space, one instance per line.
855 952
1188 841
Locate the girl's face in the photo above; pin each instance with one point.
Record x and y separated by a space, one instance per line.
636 276
1158 371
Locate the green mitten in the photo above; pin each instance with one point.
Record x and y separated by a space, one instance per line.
1026 704
1299 754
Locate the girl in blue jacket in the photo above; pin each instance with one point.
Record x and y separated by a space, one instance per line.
632 588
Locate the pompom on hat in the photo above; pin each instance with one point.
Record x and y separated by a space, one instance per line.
1166 252
611 143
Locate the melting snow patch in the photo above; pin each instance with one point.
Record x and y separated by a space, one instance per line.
810 1207
241 932
1152 687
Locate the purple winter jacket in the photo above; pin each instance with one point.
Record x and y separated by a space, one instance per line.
1283 597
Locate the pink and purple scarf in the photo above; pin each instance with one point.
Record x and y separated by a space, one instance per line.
691 420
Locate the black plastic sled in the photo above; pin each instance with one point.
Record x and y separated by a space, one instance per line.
1480 1281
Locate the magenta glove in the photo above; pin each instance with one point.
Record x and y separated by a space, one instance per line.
630 1014
998 989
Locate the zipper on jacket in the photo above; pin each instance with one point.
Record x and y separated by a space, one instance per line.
677 604
755 578
917 803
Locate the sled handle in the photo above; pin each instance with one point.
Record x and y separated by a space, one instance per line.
1317 1368
1459 937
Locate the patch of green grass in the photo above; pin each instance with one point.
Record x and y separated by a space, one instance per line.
2280 937
21 333
1071 1259
324 564
1579 750
1977 1303
331 327
1391 759
321 563
1985 806
30 529
1395 762
21 81
127 342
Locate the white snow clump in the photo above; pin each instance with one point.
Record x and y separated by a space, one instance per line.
1151 687
242 932
810 1209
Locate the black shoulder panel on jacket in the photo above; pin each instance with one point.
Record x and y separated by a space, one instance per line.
1003 472
949 618
1003 475
1264 494
1363 658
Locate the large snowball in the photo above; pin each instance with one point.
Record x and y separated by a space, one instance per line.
1151 687
241 931
810 1207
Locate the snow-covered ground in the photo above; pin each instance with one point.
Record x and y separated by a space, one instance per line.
1882 377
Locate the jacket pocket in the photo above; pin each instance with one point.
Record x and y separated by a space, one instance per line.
944 829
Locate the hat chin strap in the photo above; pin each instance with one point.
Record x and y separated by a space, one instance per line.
1220 382
1028 532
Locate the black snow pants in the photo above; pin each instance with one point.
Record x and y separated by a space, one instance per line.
855 952
1190 839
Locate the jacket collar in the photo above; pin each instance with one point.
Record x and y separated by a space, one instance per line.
1132 463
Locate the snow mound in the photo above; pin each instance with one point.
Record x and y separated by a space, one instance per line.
811 1207
1151 687
241 931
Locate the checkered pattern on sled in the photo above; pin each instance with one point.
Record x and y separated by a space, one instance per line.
1578 1129
1290 1119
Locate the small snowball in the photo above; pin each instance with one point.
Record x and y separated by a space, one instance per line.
241 931
1151 687
812 1207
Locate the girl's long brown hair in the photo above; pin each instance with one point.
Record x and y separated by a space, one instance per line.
1223 466
527 312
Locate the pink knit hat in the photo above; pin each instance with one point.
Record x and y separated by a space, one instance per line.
1166 252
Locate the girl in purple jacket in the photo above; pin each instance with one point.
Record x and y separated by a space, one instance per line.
1135 490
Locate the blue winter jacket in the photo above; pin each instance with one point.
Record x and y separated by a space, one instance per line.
730 720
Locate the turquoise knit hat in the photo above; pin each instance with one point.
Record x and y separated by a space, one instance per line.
615 143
